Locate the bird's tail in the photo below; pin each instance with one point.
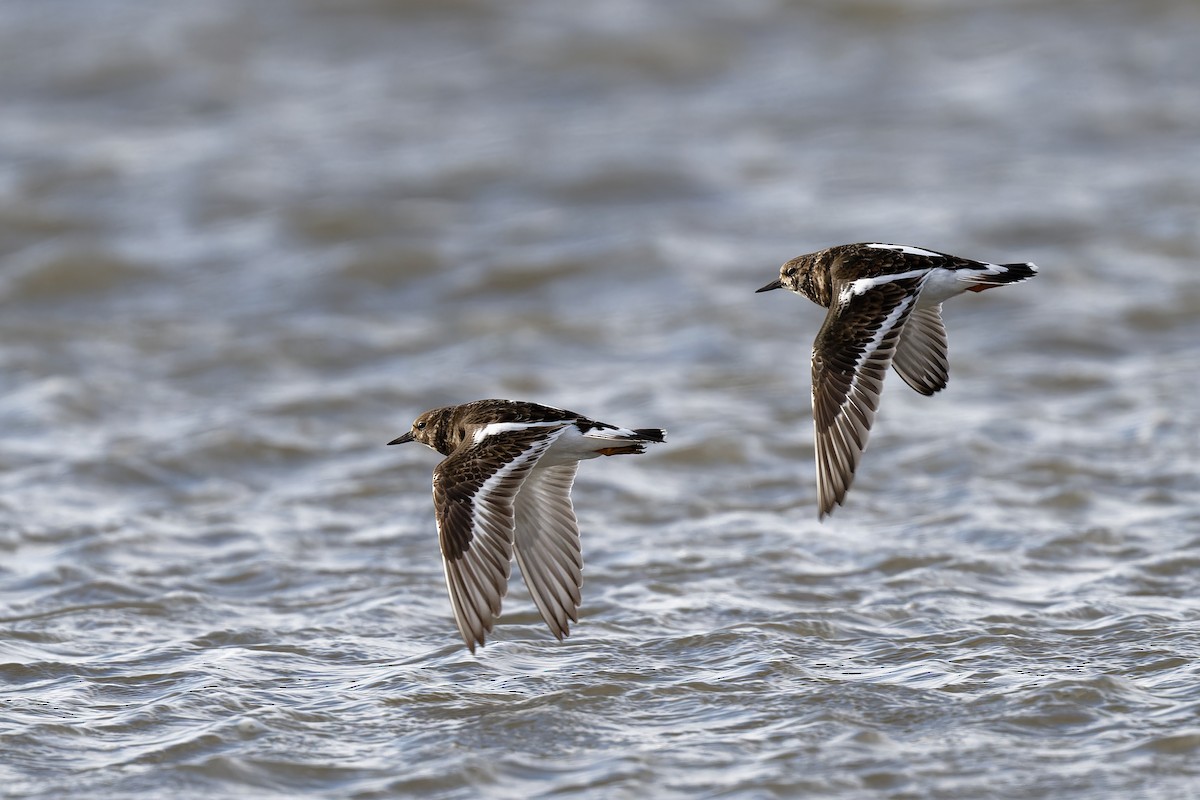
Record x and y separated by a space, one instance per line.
1001 274
627 435
651 434
635 440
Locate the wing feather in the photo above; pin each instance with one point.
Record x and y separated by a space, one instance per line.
851 356
547 545
920 357
474 491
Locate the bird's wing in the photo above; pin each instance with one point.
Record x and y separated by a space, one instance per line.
850 359
920 357
473 495
547 545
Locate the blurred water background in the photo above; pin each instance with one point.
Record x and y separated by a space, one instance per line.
244 242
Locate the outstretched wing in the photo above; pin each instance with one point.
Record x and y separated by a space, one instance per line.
473 495
547 545
850 359
920 357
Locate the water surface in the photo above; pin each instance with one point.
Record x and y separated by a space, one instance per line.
243 244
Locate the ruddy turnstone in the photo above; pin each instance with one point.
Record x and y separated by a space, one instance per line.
505 488
885 307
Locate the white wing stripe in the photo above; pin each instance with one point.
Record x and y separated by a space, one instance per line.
863 285
884 328
907 249
503 427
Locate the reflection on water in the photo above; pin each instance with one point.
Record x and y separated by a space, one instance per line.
244 244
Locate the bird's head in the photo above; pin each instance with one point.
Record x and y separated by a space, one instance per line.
791 276
430 429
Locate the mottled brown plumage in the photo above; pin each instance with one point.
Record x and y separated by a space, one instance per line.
504 489
884 304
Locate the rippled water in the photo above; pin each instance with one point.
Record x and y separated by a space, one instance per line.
242 244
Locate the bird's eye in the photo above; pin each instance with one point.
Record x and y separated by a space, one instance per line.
420 426
791 272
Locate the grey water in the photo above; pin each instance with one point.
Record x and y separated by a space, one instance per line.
243 243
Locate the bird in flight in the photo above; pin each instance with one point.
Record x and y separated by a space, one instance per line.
885 308
504 488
